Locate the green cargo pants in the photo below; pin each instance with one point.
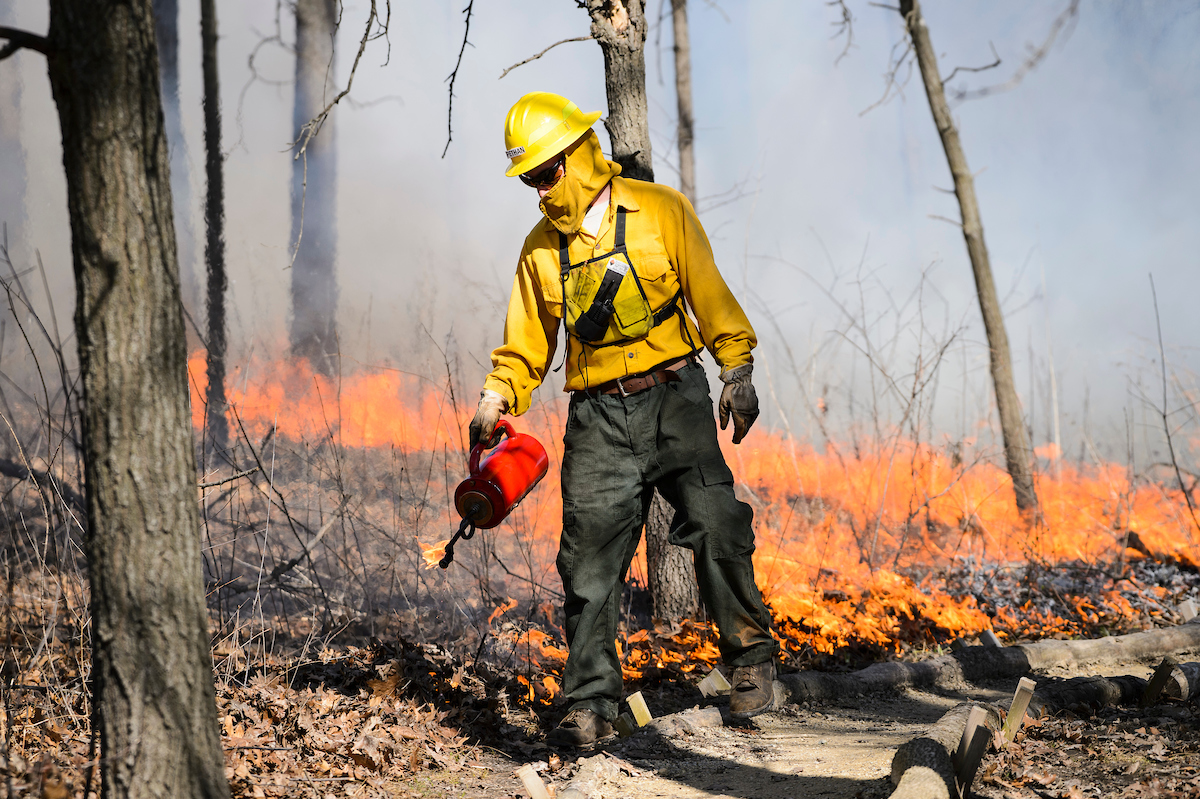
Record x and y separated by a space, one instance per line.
615 451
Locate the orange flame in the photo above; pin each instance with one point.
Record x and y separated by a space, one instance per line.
836 528
501 609
433 554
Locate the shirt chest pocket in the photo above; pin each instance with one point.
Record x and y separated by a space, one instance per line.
552 296
650 266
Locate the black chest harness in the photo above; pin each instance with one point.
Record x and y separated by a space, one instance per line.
604 303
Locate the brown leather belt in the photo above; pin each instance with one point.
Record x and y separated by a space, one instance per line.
663 373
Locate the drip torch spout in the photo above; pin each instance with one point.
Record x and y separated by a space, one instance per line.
466 531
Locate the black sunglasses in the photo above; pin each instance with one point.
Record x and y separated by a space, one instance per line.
546 176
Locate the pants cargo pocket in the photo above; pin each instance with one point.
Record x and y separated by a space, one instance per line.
731 534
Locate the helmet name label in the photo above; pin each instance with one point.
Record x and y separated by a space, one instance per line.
514 152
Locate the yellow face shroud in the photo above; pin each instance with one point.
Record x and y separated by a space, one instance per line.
587 173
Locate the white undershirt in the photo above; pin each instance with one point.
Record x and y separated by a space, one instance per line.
594 218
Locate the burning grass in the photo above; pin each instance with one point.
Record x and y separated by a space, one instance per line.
864 551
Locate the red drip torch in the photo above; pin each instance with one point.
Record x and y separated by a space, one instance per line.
497 483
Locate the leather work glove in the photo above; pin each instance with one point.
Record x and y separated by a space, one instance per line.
491 405
738 398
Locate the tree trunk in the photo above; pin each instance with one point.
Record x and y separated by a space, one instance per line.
216 426
153 703
166 25
314 191
12 155
1012 428
620 27
670 570
683 96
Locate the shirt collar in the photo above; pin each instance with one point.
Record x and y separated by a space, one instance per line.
622 195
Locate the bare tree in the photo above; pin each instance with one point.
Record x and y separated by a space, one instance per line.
314 189
12 186
620 28
153 702
1012 428
683 97
216 426
166 25
670 570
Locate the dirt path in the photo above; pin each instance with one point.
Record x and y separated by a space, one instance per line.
841 749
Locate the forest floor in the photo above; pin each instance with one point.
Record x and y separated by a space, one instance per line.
394 718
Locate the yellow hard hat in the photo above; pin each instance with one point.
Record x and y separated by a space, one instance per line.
540 126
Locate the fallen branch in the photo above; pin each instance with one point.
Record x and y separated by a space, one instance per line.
941 672
986 662
1085 694
923 768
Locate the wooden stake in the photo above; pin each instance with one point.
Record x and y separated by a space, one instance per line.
641 713
1187 609
975 718
979 737
1158 682
988 638
625 725
1016 712
532 782
714 684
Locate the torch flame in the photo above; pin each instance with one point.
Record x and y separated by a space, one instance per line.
433 553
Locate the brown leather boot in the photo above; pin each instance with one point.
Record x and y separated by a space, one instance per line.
581 727
753 690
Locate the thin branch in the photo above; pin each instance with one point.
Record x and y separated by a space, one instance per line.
946 219
845 26
288 565
983 68
19 39
313 126
896 63
454 76
539 55
1162 354
713 5
1036 56
18 471
229 479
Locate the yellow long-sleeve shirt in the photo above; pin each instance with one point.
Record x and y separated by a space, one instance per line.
669 250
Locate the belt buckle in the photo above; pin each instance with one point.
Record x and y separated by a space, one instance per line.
621 385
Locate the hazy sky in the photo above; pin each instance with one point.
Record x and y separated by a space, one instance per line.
821 215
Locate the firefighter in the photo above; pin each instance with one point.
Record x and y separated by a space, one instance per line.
621 262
